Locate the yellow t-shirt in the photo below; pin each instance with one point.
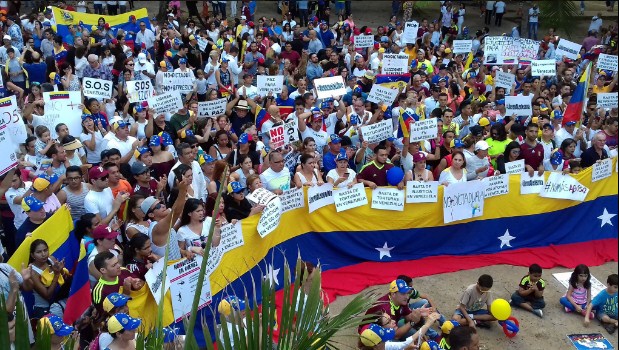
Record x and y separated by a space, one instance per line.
597 90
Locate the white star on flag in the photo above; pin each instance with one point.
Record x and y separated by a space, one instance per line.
271 275
505 239
384 251
605 217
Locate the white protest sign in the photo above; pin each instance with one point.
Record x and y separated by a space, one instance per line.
10 115
319 196
154 279
546 68
277 136
497 185
463 200
363 41
293 199
270 217
169 102
531 184
421 192
602 169
7 162
568 49
410 32
378 131
462 46
97 88
388 199
270 83
212 109
183 286
139 90
499 50
292 130
214 259
201 43
563 187
231 237
178 81
349 198
424 130
62 107
518 105
382 94
515 167
504 80
607 99
330 87
261 196
608 62
395 63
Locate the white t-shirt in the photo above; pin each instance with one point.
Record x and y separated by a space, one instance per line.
99 202
211 80
123 146
272 180
332 174
330 122
321 137
533 15
192 239
20 215
94 157
500 7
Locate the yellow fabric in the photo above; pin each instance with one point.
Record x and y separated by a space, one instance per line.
143 305
89 19
47 277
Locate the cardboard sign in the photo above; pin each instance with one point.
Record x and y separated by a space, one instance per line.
10 115
330 87
563 187
169 102
568 49
504 80
139 90
602 169
292 130
212 109
395 63
607 99
421 192
462 46
463 200
424 130
377 132
388 199
497 185
293 199
363 41
608 62
269 220
201 43
531 184
546 68
518 105
231 237
183 286
410 32
154 279
270 83
319 196
349 198
10 160
515 167
63 107
382 94
499 50
97 88
177 81
277 136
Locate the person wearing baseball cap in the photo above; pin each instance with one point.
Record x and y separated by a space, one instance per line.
122 328
478 164
100 200
36 215
569 131
233 309
342 176
57 328
419 171
145 185
334 142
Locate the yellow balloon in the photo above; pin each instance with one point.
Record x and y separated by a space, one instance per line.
500 309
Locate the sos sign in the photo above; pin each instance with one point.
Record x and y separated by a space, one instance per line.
97 88
139 90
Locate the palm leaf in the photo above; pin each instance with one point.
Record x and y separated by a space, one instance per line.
559 14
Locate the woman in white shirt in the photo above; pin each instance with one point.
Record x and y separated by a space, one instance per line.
420 172
308 175
287 34
92 137
194 226
244 171
456 172
213 33
342 176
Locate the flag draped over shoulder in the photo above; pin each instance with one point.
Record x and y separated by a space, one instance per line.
261 117
575 107
469 61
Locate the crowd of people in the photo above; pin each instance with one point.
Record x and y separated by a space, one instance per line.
133 172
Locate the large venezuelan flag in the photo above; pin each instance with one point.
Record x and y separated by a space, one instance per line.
574 109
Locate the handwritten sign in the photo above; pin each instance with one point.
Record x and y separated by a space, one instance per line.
518 105
154 279
292 130
395 63
608 62
463 200
169 102
277 136
10 115
97 88
212 109
546 68
178 81
564 187
139 90
10 160
382 94
377 132
602 169
607 99
293 199
515 167
183 285
63 107
349 198
424 130
410 32
388 199
500 50
363 41
504 80
319 196
261 196
462 46
497 185
231 236
421 192
531 184
270 83
270 217
330 87
568 49
201 43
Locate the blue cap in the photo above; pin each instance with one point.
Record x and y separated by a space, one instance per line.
87 116
244 139
374 334
51 178
556 114
399 286
205 158
316 110
120 322
334 138
138 108
182 61
570 123
391 139
31 203
56 324
115 300
225 59
556 158
325 104
235 187
384 39
166 139
458 143
501 102
155 141
548 126
341 156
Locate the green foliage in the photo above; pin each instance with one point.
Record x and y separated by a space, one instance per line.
558 14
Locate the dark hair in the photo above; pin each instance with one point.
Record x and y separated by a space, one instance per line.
74 169
137 242
33 247
455 153
613 280
209 206
461 337
180 170
510 146
500 129
190 205
83 225
532 125
133 201
485 281
305 157
580 269
52 150
223 132
182 146
109 165
101 258
566 143
306 267
379 147
535 268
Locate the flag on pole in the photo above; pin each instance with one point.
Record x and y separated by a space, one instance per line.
574 109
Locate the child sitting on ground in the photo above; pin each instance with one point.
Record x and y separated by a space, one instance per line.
578 296
530 293
471 311
605 305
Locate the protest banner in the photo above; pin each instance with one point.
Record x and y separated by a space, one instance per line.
382 94
319 196
349 198
504 80
395 64
561 186
424 130
462 46
546 68
515 167
139 90
607 62
277 136
602 169
6 143
421 192
378 131
183 285
531 184
607 99
10 115
212 109
497 185
410 32
293 199
178 81
463 200
568 49
518 105
330 87
500 50
292 130
269 220
231 236
154 279
169 102
62 107
270 83
363 41
388 199
97 88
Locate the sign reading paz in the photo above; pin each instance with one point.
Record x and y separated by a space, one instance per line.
421 192
349 198
170 102
377 132
518 105
363 41
463 200
211 109
97 88
270 83
382 94
424 130
330 87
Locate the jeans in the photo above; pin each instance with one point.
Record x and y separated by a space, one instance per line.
395 7
98 9
112 10
122 8
303 14
535 304
222 9
497 19
533 30
489 14
569 305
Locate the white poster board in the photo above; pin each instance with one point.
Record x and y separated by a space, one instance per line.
395 63
564 279
269 220
463 200
382 94
608 62
269 83
63 107
378 131
421 192
330 87
384 198
505 80
607 99
292 130
293 199
10 115
411 30
178 81
515 167
277 135
139 90
518 105
499 50
319 196
531 184
547 68
169 102
561 186
154 279
462 46
10 160
97 88
497 185
349 198
212 109
363 41
424 130
602 169
183 285
568 49
231 237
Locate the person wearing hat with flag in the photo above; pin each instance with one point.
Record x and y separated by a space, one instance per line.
569 131
122 328
122 141
57 329
115 303
35 211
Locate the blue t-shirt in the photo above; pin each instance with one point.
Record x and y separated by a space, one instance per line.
36 72
328 160
326 37
607 303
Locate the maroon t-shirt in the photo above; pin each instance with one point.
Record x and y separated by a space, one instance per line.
372 172
102 289
384 305
533 156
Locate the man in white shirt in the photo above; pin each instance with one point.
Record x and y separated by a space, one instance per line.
122 141
277 177
533 21
570 131
147 37
143 69
100 200
432 101
186 156
596 23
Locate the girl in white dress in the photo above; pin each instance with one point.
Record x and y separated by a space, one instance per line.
456 172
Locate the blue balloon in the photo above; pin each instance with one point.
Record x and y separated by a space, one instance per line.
511 326
395 175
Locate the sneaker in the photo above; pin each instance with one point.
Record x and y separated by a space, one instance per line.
611 328
539 313
567 309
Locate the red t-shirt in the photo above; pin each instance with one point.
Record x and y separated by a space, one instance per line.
533 156
384 305
375 173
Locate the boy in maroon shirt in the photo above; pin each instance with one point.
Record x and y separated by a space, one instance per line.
532 151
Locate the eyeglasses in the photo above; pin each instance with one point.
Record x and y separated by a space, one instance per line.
156 207
130 64
194 146
75 178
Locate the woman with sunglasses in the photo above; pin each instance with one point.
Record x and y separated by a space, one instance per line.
511 154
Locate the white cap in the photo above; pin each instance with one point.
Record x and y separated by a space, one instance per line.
481 146
6 37
244 17
142 58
